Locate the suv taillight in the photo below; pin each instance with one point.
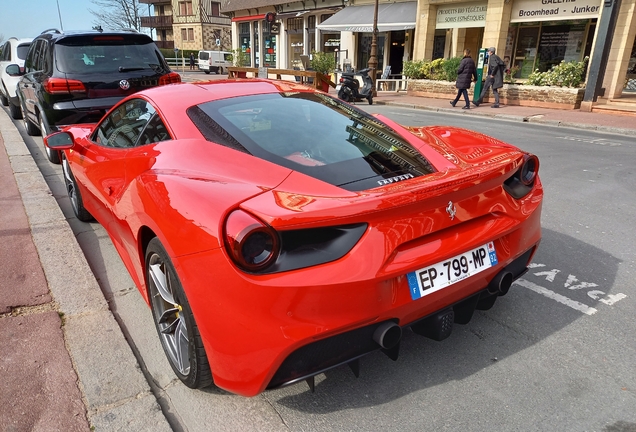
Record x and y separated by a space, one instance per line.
170 78
62 85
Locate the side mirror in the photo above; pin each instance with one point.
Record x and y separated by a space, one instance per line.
59 141
13 70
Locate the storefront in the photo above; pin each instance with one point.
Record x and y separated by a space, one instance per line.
394 21
542 33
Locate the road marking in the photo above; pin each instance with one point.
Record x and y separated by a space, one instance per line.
558 297
599 141
549 275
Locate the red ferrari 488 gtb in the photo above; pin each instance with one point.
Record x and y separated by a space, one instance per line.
277 232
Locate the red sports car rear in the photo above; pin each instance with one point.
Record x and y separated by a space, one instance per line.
278 232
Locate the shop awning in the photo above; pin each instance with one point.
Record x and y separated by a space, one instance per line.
391 17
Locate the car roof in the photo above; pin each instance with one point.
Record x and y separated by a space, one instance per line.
185 95
55 34
21 40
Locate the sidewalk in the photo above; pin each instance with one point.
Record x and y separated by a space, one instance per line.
619 124
66 364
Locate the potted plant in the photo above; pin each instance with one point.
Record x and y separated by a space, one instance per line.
240 58
324 63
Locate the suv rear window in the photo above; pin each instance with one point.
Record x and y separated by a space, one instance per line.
106 54
313 134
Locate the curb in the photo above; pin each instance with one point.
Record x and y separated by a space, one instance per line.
517 118
115 392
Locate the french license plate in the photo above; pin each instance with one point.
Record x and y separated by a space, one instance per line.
338 87
433 278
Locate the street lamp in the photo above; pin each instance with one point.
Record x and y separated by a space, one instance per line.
373 58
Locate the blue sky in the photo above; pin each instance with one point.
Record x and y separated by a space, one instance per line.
28 18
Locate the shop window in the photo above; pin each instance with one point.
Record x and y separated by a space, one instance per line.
311 33
295 48
540 46
364 51
256 44
244 38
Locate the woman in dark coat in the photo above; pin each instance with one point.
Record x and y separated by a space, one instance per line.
466 73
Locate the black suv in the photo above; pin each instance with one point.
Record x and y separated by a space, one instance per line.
76 77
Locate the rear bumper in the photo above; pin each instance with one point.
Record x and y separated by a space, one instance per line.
267 331
319 356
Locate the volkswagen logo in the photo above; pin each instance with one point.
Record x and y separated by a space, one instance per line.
124 84
451 210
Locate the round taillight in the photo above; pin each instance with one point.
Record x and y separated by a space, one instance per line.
252 244
529 170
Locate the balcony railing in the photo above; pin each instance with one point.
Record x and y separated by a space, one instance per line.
165 44
154 1
158 21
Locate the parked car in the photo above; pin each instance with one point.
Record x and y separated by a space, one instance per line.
75 77
14 51
277 232
214 61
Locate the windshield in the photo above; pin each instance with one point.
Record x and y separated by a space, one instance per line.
106 55
314 134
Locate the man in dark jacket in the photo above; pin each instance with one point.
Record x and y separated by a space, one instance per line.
466 73
494 79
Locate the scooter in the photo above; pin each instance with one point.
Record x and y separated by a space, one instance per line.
349 89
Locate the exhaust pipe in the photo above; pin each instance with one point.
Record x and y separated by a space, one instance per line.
501 283
387 335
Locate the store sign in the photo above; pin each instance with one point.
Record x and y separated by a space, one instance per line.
463 15
552 10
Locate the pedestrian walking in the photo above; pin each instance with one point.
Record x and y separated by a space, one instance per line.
466 74
191 61
494 79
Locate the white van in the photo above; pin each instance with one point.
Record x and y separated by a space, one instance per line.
215 61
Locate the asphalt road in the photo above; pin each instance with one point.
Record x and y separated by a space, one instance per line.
555 354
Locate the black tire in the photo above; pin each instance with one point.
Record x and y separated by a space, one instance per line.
15 111
207 72
74 194
4 99
52 155
173 319
345 94
31 129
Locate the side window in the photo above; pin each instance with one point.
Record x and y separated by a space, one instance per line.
154 132
32 62
45 60
124 124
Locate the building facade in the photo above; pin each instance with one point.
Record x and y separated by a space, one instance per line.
529 34
341 27
189 24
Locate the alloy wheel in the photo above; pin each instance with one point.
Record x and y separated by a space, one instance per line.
168 315
70 184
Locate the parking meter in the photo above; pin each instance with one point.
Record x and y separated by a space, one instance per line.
482 60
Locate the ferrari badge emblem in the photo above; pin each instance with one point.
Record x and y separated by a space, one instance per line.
124 84
451 210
